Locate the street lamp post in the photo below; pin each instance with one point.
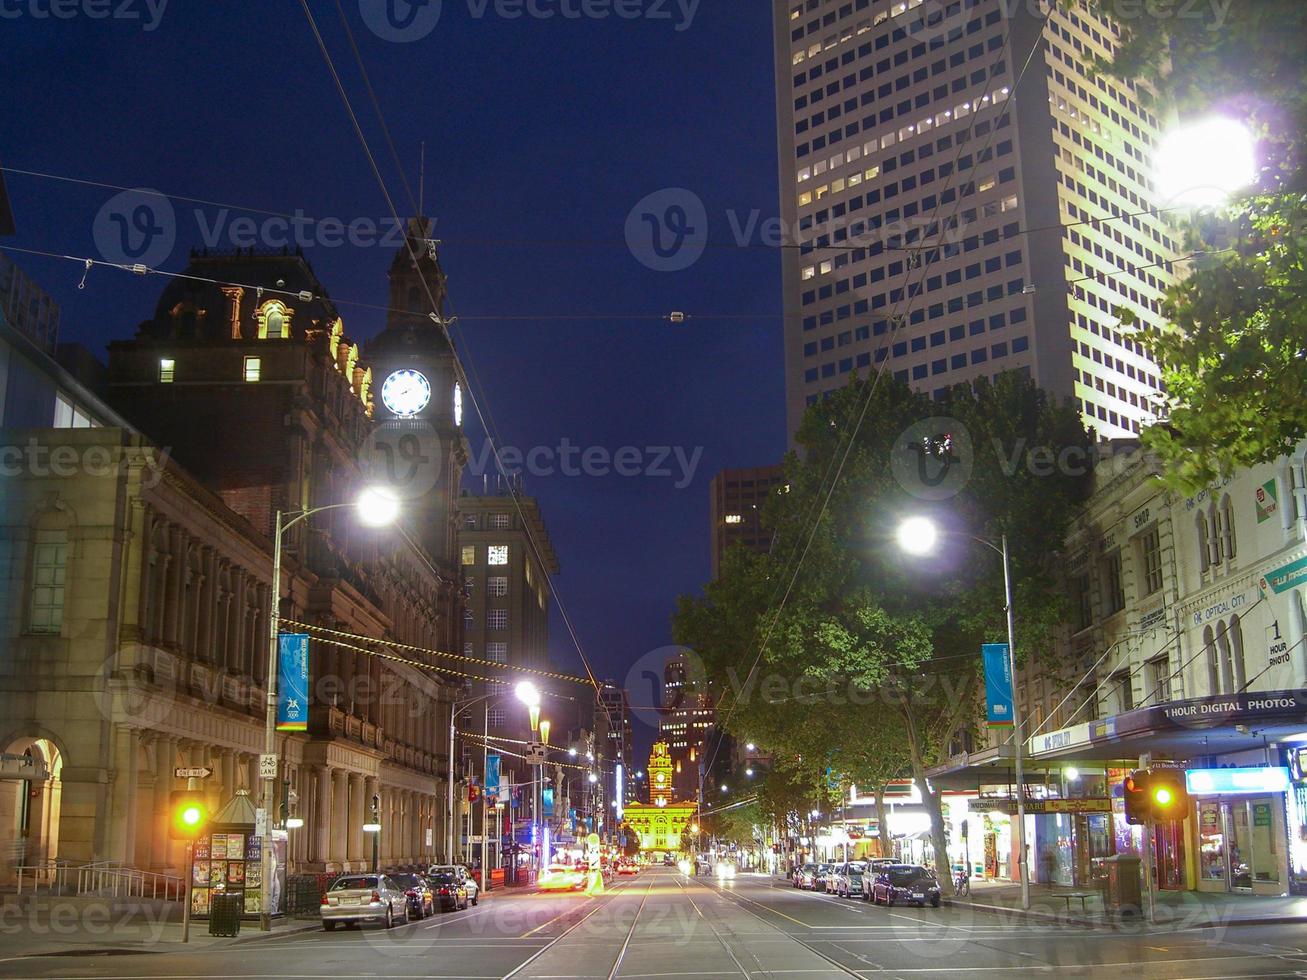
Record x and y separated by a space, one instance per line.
376 508
529 695
918 535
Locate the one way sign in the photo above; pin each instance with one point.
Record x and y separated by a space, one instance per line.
195 772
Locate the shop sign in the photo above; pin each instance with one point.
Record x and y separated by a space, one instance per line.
1152 618
1254 779
1091 804
1222 607
1267 501
1261 814
1209 818
1230 707
1286 577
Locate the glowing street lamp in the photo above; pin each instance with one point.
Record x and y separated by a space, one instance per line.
375 507
1204 163
918 536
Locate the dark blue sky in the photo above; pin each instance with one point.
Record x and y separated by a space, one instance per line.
541 137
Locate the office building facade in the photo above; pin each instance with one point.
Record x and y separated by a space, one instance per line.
965 198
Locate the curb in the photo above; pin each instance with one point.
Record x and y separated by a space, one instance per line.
1264 920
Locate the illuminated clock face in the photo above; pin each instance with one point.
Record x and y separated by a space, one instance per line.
661 779
458 403
406 392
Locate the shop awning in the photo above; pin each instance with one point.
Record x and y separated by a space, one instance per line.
1182 729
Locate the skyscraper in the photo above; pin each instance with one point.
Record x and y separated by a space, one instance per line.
737 500
965 198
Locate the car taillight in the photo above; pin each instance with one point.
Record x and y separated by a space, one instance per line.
324 899
376 896
412 893
444 891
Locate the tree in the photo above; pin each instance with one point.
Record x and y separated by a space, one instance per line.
1232 346
870 664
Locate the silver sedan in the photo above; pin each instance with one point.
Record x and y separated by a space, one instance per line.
363 898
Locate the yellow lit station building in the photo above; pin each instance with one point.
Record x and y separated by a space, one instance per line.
662 820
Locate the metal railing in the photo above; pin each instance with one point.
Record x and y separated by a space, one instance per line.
107 879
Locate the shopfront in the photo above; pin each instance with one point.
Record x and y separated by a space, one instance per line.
1241 833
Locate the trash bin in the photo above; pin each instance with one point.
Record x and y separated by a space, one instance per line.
225 911
1122 893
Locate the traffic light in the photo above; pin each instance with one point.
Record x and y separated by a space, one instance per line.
189 812
1138 802
1168 794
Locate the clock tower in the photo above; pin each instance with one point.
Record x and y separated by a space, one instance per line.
418 447
660 775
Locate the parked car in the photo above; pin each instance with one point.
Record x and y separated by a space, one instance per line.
845 880
363 898
819 877
906 884
449 893
803 876
627 868
417 890
461 872
873 867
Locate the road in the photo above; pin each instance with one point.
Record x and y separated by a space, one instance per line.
661 924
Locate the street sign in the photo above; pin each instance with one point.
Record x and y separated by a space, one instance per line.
267 766
260 822
194 772
535 754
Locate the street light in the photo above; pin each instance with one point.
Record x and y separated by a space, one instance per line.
918 536
376 507
1204 163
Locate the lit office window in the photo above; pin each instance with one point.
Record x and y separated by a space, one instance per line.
253 369
167 370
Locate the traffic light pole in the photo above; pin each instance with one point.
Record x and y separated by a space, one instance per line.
1149 885
190 883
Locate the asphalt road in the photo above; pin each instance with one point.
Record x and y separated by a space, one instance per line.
661 924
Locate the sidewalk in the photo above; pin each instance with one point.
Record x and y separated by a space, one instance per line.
55 926
1174 909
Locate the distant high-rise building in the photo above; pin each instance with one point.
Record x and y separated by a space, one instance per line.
968 198
506 556
686 724
616 709
737 500
28 308
6 212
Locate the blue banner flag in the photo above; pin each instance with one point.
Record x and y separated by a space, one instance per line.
293 682
998 683
492 778
547 801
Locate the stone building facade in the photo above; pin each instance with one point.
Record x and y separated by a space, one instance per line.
136 579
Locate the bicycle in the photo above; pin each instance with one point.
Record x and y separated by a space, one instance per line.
962 883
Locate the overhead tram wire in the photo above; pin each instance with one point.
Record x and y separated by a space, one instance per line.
894 317
458 361
299 216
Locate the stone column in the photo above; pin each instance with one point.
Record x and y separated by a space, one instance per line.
322 815
354 849
339 818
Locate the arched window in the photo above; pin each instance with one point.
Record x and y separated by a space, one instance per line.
1227 524
1223 658
1213 666
1214 536
1203 563
1238 670
274 321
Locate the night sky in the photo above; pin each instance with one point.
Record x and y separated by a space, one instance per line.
541 137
